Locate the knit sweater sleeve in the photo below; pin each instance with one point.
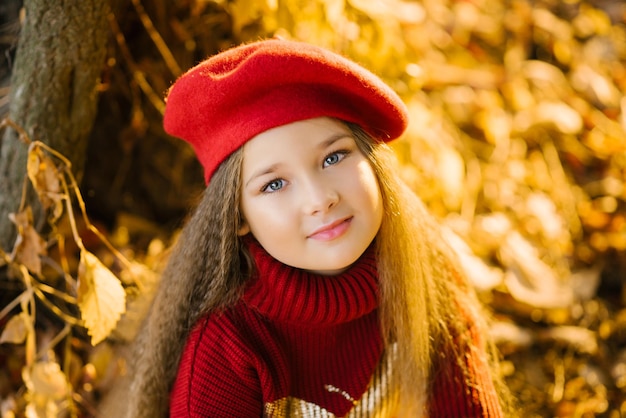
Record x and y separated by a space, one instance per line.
469 394
470 397
215 377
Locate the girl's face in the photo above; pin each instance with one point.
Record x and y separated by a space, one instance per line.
309 196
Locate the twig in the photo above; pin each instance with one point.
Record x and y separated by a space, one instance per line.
167 55
21 297
561 186
55 309
55 292
5 257
62 269
91 227
67 163
29 307
559 381
70 214
138 75
64 332
67 364
23 136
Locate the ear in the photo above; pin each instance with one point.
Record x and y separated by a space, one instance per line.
244 229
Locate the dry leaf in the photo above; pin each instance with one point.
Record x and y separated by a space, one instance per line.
248 12
510 333
45 178
451 169
581 339
396 10
595 85
482 276
489 230
137 304
42 408
557 114
46 379
529 279
101 297
16 329
47 384
543 209
29 246
496 124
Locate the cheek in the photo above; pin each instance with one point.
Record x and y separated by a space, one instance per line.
266 217
376 200
367 185
369 195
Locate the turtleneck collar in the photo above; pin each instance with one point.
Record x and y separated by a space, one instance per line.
290 295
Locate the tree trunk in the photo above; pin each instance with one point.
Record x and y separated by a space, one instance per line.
9 32
59 59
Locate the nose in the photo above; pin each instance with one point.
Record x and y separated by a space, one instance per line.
319 196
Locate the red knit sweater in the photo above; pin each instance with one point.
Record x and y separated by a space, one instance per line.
305 343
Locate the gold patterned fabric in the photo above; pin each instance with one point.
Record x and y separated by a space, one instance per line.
376 402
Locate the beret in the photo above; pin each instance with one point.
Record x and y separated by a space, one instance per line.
227 99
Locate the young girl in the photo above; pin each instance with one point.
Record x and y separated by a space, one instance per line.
310 282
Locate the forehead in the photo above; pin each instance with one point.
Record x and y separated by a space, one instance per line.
296 137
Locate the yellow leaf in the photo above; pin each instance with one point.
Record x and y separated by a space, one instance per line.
395 10
29 246
15 330
45 379
451 173
45 177
247 12
101 297
41 407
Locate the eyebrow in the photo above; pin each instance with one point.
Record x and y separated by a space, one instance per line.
262 173
324 144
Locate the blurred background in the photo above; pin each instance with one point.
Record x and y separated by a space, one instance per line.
517 143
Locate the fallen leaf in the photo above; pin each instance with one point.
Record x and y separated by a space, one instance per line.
45 378
16 329
482 276
101 297
543 209
29 246
511 334
41 407
581 339
529 279
451 176
45 178
396 10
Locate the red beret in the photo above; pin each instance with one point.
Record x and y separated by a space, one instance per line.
220 104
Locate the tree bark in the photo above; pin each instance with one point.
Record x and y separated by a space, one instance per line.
59 59
9 32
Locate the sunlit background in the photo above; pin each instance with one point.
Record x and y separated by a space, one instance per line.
517 142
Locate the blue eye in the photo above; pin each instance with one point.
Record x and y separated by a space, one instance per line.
273 186
334 158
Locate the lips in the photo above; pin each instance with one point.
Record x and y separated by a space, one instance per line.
332 230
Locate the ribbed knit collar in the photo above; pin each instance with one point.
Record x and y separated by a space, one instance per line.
289 295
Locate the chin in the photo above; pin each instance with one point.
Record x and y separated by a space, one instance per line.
334 268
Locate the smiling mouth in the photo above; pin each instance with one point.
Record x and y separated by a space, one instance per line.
331 231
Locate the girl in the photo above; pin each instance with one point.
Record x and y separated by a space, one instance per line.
310 281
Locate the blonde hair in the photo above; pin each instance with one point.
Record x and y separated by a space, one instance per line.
427 309
419 283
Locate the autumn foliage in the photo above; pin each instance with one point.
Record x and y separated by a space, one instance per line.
517 143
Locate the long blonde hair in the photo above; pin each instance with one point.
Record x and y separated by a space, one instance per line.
426 305
209 267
